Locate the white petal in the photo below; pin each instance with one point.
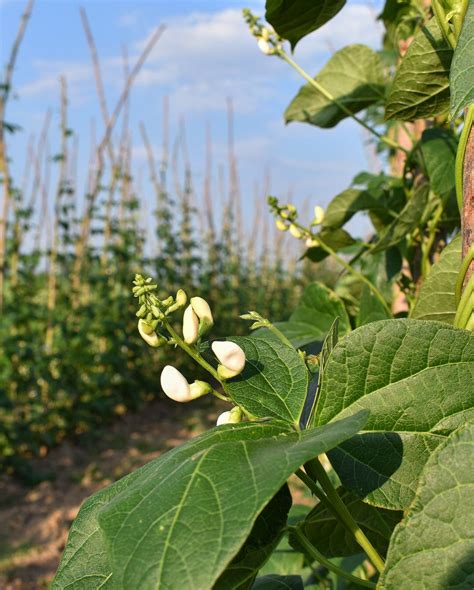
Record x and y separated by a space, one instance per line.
201 309
175 385
190 326
223 418
230 355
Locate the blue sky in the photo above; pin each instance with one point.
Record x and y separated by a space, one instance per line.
205 55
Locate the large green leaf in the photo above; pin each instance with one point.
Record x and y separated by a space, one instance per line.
406 221
433 547
462 70
420 89
293 19
348 203
436 299
274 382
330 537
416 380
275 582
260 544
353 76
314 316
438 147
178 521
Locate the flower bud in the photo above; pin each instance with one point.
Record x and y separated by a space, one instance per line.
149 335
168 301
190 326
203 311
265 46
265 34
230 417
181 298
281 225
231 357
318 215
296 232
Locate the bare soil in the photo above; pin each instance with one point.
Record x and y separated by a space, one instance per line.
34 521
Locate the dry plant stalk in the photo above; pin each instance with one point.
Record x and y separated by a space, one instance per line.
4 168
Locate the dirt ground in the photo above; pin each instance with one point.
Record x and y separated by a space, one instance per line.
34 521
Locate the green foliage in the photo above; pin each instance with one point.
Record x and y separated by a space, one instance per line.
420 88
151 512
353 77
433 545
415 378
462 77
294 19
314 315
436 300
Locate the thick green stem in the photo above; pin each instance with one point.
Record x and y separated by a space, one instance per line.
426 248
459 167
192 353
300 474
315 555
317 86
317 472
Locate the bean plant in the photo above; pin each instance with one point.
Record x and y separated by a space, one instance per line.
364 395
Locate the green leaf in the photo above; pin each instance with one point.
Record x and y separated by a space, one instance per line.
294 19
346 204
420 89
336 239
314 316
407 220
260 544
416 379
332 539
371 308
353 76
433 546
274 382
462 70
438 147
137 532
274 582
436 300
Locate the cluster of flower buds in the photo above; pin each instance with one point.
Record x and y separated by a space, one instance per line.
153 311
286 220
268 41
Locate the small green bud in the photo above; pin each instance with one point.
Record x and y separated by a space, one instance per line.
281 225
181 298
142 311
168 301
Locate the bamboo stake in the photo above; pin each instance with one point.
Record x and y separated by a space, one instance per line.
4 168
62 176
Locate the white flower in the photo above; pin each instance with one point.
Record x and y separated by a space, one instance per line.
230 417
175 385
265 46
312 243
230 355
318 215
190 326
149 335
203 311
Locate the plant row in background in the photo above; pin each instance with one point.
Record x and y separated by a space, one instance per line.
70 355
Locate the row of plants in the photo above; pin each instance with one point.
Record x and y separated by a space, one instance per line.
70 355
365 393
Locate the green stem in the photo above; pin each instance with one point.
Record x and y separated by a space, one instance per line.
443 24
462 274
300 474
317 86
315 555
192 353
356 274
459 166
279 334
317 472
